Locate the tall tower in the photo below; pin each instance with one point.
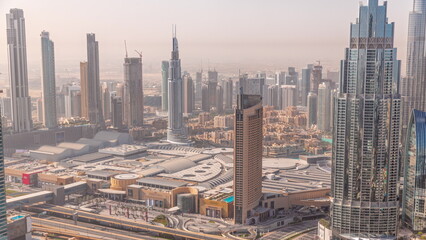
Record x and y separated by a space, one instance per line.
18 71
413 87
188 94
312 109
3 216
305 85
133 92
84 91
176 132
227 93
93 81
324 107
366 131
165 85
248 147
48 82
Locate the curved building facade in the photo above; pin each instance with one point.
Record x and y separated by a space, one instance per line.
414 211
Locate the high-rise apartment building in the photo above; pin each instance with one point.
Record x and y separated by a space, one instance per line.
198 85
324 107
414 194
84 91
18 71
117 112
366 131
176 132
248 147
165 85
133 92
287 96
48 81
219 99
93 82
305 85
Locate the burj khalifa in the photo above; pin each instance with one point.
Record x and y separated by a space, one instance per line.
176 132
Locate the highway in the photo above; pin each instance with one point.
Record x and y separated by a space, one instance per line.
291 230
85 230
117 223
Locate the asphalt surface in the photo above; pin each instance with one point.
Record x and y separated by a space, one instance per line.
289 230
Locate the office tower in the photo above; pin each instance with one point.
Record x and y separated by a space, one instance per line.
228 93
84 91
3 215
316 77
93 82
205 101
248 145
48 81
280 78
176 132
106 101
18 71
165 85
188 94
198 86
6 106
60 104
312 109
324 107
414 194
366 131
219 99
287 96
305 85
133 92
117 112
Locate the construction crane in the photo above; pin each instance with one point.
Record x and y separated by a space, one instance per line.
139 53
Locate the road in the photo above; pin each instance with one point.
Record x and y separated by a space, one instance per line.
113 222
289 230
87 229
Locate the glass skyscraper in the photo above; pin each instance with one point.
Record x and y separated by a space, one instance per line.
366 131
3 216
414 211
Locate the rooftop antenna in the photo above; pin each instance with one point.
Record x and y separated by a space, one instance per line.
125 46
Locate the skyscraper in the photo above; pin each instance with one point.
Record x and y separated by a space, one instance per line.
165 85
248 147
305 85
413 87
312 109
93 81
287 95
324 107
133 92
219 99
188 94
117 112
84 91
18 71
3 216
198 85
414 194
48 82
366 131
316 77
176 132
227 93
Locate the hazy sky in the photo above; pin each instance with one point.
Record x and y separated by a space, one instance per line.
279 33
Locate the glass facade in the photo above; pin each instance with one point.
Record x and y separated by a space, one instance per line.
366 131
414 211
3 219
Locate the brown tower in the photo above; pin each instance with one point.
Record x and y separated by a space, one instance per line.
248 145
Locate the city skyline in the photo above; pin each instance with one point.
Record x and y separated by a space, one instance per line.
206 42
